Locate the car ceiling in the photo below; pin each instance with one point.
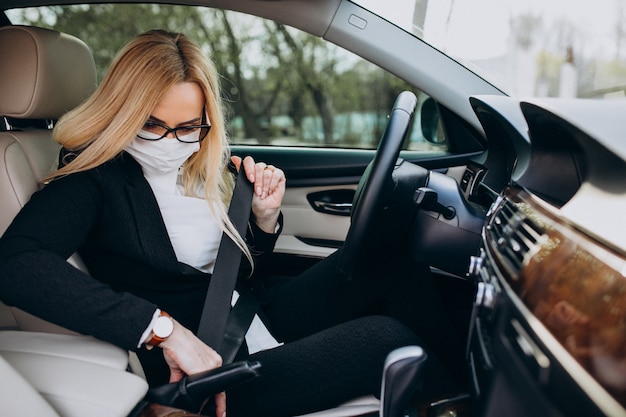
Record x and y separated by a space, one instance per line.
313 16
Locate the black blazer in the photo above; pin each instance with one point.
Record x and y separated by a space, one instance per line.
110 216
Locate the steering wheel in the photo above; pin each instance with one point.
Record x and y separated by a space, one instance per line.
376 182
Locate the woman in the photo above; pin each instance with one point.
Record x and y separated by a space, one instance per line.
149 233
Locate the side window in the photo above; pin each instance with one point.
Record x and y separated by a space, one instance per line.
283 87
298 90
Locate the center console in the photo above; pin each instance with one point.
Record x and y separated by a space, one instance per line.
547 333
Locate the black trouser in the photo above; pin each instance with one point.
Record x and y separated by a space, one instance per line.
336 340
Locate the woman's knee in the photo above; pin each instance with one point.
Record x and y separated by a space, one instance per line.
386 331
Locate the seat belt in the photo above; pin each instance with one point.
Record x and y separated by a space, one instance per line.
238 323
220 328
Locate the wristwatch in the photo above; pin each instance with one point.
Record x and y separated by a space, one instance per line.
162 329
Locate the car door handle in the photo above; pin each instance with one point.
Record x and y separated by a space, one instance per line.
335 208
337 202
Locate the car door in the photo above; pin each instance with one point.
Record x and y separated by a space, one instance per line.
321 182
324 138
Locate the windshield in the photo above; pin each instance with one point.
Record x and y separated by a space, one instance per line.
539 48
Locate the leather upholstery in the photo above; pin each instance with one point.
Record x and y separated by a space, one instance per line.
27 402
27 156
76 347
93 373
76 388
43 73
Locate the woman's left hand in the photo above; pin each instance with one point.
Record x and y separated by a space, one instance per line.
269 189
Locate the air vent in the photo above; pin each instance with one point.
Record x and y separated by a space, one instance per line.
513 236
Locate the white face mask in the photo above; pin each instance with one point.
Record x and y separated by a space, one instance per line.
162 156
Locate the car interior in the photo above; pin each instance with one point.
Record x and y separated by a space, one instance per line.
531 278
40 350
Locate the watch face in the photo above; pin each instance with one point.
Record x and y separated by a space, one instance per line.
163 327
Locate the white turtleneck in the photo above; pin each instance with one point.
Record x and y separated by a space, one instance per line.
192 228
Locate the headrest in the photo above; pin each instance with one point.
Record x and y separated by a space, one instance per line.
43 73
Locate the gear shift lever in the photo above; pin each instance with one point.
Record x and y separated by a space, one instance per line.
401 377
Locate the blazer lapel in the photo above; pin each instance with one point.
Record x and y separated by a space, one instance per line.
152 233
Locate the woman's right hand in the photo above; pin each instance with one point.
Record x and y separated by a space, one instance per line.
185 354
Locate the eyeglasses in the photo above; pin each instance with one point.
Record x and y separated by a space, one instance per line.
186 134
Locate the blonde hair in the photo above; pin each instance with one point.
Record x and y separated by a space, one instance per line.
102 127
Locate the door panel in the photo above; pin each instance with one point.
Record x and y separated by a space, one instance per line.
305 226
307 232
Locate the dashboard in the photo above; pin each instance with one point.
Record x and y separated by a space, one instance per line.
548 327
